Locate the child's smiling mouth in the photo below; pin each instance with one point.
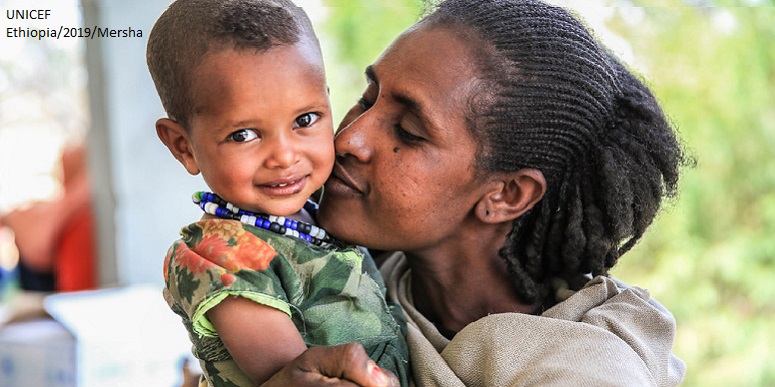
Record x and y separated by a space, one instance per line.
284 187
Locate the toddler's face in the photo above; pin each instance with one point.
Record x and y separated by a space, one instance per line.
261 130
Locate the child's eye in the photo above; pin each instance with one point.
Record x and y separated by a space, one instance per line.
243 135
306 120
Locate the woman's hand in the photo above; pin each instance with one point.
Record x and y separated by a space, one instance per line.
341 365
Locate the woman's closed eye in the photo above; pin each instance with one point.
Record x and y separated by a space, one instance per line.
405 136
243 135
305 120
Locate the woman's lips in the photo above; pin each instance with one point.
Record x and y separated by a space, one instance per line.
284 187
342 183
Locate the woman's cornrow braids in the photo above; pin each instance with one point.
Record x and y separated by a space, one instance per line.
559 102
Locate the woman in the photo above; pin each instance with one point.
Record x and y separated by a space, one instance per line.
512 159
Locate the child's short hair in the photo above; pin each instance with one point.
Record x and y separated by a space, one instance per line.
190 29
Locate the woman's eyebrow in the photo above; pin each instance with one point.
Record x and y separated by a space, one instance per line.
370 75
413 105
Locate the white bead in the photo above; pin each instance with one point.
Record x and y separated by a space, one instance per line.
314 231
245 219
281 220
272 218
252 220
322 234
229 207
210 208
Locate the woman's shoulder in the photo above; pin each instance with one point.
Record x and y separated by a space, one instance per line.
607 331
607 296
624 317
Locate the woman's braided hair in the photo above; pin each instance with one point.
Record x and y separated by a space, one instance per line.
555 100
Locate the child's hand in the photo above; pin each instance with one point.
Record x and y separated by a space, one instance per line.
341 365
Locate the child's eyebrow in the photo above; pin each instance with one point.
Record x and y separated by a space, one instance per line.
238 125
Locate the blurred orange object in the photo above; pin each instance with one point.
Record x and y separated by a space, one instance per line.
55 238
75 266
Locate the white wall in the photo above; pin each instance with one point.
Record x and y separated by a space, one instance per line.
142 194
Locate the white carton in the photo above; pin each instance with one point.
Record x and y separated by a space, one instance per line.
37 353
116 337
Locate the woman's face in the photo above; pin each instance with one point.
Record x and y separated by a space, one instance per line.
405 176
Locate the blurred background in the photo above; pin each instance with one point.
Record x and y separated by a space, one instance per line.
74 107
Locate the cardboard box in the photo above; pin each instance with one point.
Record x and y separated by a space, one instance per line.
37 353
117 337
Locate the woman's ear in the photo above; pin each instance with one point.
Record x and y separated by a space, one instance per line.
511 196
175 137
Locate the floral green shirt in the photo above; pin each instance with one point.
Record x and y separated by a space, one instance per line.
333 295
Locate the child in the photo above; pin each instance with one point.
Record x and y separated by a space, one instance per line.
255 281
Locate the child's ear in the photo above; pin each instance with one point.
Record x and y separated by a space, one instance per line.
176 138
511 196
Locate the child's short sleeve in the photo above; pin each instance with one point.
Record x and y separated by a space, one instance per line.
215 259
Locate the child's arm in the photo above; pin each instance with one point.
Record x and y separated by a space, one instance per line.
261 339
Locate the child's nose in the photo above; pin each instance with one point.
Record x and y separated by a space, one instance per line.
283 154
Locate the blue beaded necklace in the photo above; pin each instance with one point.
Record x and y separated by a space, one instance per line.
215 205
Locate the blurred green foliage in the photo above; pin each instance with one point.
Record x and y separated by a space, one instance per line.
710 256
358 32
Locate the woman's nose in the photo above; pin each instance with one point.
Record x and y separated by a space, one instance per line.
354 139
